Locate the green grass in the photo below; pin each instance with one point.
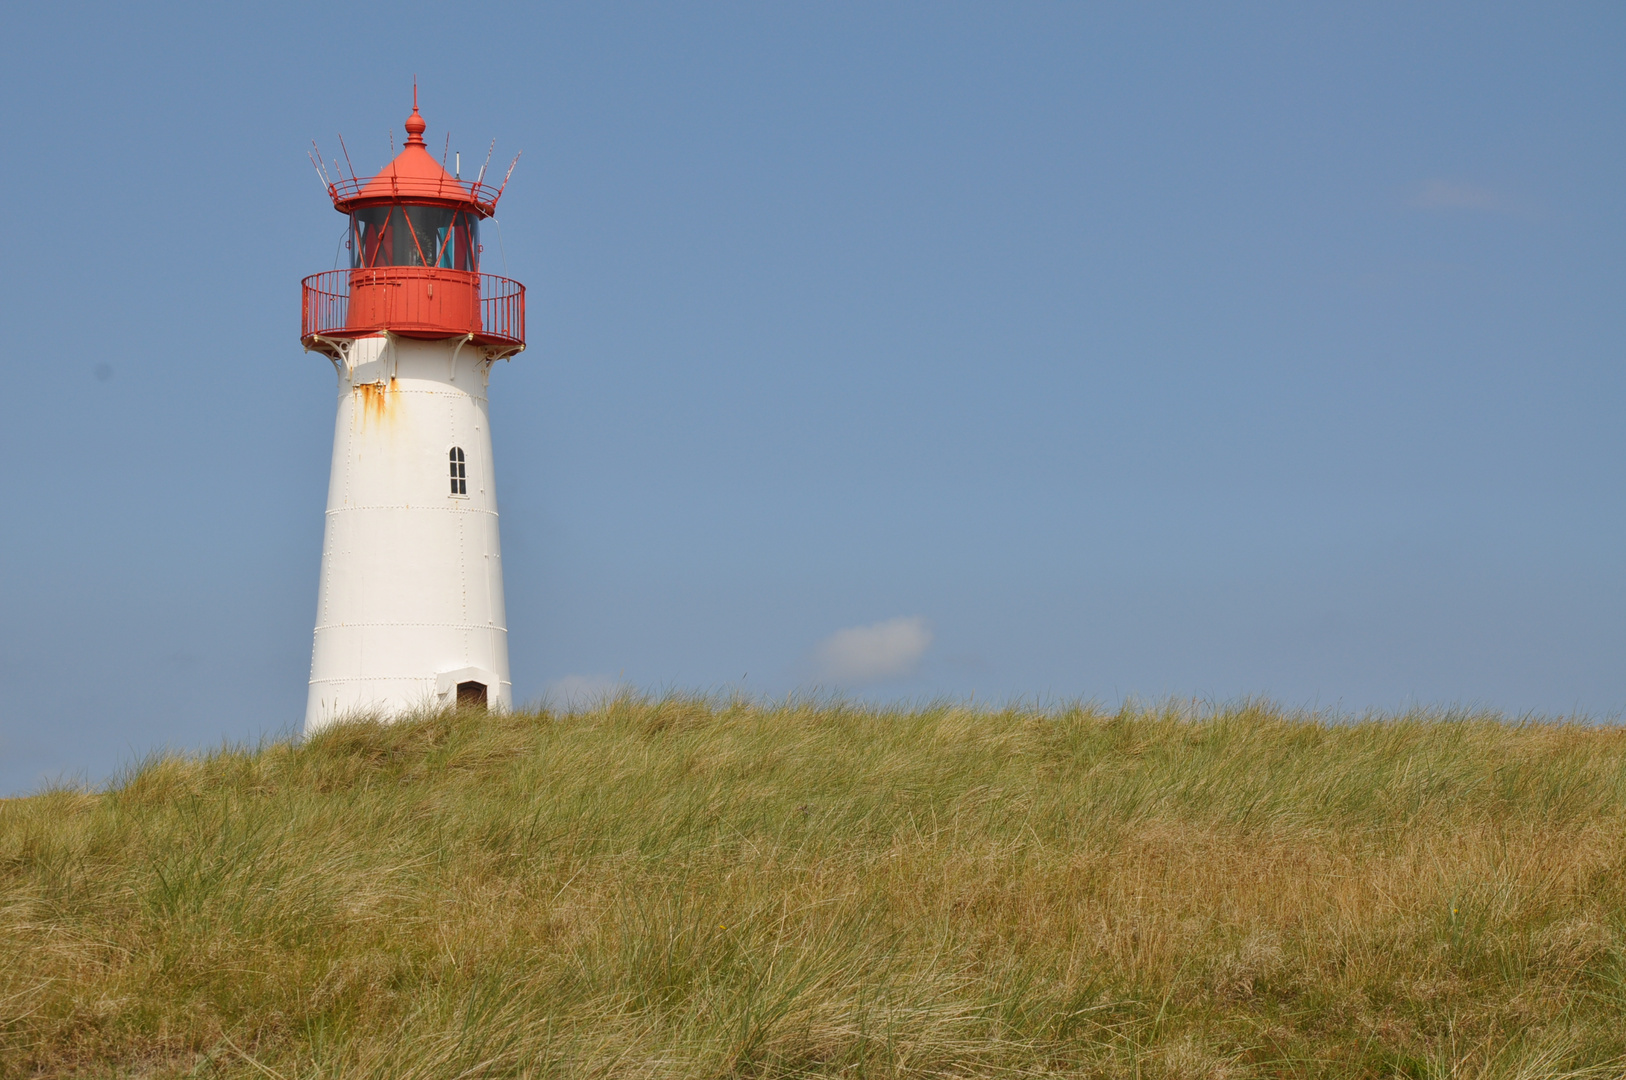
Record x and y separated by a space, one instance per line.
697 888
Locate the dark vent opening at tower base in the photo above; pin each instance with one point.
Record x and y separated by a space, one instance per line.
471 695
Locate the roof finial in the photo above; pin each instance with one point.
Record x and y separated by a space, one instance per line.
415 124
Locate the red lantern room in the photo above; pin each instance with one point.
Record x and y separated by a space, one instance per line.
414 245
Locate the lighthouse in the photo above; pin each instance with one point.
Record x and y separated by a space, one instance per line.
410 606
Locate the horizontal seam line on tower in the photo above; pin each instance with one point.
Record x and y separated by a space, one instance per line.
399 389
439 625
394 678
408 506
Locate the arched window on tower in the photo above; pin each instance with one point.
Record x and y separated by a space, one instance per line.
460 475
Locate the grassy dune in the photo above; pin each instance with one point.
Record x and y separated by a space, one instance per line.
690 888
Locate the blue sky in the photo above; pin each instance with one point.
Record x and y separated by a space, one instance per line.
1047 351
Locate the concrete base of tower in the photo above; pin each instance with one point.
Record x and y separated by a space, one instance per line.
410 612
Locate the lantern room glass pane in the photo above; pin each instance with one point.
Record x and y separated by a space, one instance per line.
414 236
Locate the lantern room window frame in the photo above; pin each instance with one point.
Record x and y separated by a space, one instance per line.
433 236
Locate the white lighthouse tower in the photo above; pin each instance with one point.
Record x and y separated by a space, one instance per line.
410 607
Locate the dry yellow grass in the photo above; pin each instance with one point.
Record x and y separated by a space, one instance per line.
693 888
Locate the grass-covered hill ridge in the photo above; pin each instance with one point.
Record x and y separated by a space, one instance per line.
703 888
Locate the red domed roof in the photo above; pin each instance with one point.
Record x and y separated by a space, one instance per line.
414 177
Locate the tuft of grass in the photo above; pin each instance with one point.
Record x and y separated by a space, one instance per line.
692 887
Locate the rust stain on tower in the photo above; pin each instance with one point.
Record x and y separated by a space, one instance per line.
375 400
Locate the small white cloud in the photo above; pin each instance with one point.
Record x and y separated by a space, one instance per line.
1448 195
869 654
583 691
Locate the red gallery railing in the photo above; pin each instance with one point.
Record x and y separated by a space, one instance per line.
440 189
502 308
404 300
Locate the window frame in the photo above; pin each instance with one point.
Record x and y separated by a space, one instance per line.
458 465
376 232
